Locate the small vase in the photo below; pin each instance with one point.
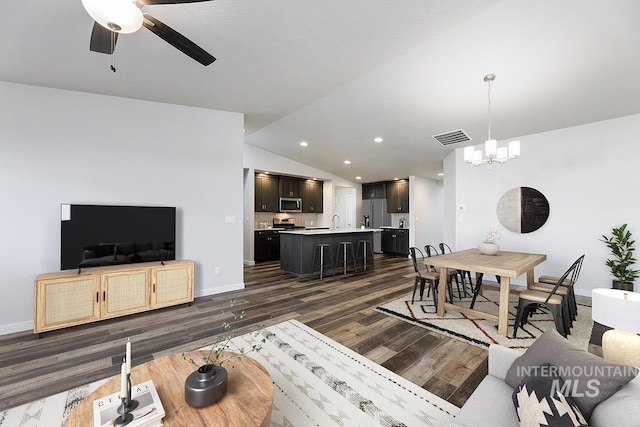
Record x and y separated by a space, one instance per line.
205 386
488 248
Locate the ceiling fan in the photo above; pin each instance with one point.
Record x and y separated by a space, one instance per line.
125 16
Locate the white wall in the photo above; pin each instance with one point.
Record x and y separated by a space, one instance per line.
589 174
426 208
70 147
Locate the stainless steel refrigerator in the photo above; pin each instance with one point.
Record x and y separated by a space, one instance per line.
376 210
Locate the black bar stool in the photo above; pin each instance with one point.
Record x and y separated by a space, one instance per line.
345 256
364 246
325 260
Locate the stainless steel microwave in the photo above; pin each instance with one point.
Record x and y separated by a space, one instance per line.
290 204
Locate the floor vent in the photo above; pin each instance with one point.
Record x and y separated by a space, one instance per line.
453 137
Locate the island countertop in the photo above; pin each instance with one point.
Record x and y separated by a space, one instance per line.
315 232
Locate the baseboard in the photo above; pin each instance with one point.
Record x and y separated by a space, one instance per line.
218 290
247 262
16 327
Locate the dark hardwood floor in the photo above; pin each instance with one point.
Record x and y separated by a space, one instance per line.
343 308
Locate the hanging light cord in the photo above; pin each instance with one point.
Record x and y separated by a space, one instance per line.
113 50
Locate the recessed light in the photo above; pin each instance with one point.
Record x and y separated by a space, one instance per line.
378 139
358 177
395 179
440 174
304 143
347 162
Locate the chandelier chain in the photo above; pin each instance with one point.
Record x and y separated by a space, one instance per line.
489 109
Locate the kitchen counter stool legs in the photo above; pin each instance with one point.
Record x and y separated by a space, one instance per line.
365 253
323 258
345 256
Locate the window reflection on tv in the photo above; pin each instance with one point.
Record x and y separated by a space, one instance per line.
103 235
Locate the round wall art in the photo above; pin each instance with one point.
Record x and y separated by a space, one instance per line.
522 210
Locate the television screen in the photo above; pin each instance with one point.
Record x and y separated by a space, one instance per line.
94 235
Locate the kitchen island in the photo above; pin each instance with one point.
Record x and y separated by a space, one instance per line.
296 246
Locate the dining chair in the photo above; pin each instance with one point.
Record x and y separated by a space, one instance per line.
453 274
445 249
557 304
545 283
423 277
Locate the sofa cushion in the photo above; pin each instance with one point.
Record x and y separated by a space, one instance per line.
126 248
539 402
589 378
621 409
106 249
491 393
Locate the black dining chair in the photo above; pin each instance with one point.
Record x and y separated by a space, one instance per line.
445 249
557 304
423 277
546 283
453 274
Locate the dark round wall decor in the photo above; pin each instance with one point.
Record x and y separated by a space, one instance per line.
522 210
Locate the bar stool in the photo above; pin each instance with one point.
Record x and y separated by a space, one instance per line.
345 251
367 253
319 249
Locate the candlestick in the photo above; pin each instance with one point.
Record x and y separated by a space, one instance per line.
128 354
123 380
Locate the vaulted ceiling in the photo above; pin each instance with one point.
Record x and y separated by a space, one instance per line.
338 73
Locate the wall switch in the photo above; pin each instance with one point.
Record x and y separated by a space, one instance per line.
217 271
230 220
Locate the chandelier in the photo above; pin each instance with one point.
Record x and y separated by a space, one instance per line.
492 153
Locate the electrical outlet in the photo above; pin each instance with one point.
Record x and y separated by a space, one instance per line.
217 271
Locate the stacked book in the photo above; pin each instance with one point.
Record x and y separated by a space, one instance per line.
149 412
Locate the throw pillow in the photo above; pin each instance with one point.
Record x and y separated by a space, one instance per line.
588 378
539 402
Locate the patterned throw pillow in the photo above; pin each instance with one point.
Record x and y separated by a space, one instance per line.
539 402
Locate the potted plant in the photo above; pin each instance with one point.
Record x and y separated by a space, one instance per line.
208 383
489 246
622 247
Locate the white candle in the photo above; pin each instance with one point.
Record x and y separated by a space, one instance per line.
123 380
128 359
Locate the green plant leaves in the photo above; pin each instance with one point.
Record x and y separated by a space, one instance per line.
622 248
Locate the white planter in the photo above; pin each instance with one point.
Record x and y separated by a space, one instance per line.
488 248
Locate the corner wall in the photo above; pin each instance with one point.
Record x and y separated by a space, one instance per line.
70 147
589 175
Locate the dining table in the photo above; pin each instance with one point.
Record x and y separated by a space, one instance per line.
504 264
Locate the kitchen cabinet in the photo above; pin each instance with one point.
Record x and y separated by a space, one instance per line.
266 193
69 298
266 245
395 241
398 196
375 190
312 196
289 186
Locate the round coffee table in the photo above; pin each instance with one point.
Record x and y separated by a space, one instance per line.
247 401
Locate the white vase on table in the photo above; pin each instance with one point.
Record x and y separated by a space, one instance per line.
488 248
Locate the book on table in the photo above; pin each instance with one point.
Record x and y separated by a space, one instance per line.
149 412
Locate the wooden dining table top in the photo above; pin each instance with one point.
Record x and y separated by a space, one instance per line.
504 263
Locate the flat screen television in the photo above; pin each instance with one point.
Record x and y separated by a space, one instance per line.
100 235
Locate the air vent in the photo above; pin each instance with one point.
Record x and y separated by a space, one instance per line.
453 137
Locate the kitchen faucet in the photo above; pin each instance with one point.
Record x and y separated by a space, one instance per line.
335 224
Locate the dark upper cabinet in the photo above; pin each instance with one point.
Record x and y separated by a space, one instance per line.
312 193
266 193
374 190
398 196
289 187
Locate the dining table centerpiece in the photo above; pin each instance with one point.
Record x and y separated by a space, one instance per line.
489 245
208 384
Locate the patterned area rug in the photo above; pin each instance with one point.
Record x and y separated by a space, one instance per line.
480 332
317 382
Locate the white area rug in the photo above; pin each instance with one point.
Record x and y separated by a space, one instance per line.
317 382
480 332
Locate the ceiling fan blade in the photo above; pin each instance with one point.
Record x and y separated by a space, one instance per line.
177 40
171 1
101 39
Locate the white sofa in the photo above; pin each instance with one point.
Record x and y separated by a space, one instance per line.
491 404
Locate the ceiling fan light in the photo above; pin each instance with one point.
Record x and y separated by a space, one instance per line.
121 16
